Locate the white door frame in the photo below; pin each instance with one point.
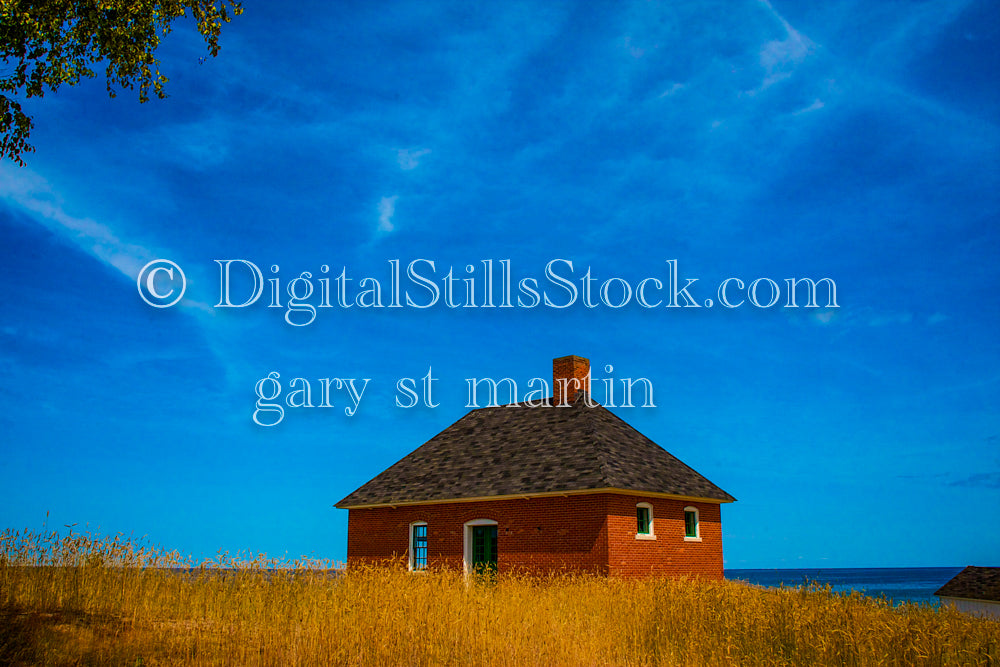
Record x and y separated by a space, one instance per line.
467 539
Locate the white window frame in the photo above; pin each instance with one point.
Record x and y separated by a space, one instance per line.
697 524
651 535
467 540
409 546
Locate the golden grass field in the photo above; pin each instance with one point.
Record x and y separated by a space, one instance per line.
77 599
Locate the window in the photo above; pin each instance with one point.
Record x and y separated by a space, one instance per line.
418 546
644 522
692 532
642 514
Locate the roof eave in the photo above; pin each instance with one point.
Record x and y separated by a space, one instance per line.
526 496
966 598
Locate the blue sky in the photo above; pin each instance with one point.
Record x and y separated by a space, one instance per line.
849 140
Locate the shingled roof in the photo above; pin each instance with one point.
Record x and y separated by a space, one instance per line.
973 583
520 450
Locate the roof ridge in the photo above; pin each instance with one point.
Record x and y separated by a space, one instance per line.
651 441
594 435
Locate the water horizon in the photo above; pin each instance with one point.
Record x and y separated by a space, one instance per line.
900 584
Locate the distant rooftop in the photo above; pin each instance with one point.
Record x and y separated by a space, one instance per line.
973 583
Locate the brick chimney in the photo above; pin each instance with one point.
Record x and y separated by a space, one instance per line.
569 375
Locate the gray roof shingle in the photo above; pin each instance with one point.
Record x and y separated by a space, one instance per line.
504 451
974 583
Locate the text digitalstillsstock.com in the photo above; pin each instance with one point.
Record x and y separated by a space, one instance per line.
422 284
488 284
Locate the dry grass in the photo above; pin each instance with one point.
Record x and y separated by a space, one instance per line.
79 600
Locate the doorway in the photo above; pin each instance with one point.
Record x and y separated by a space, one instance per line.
481 546
484 549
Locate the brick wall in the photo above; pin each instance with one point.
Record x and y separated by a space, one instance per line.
669 553
534 535
587 532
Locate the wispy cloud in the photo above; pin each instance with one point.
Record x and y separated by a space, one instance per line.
815 106
986 480
36 196
33 194
850 318
911 30
199 145
887 318
672 90
409 158
824 317
634 50
386 211
780 56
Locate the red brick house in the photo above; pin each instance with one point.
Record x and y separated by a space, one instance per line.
520 488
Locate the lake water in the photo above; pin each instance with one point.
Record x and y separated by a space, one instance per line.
909 584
